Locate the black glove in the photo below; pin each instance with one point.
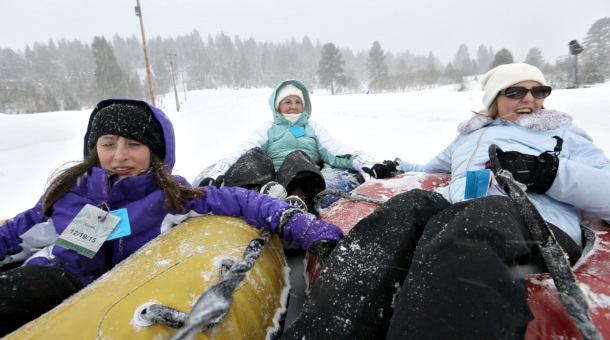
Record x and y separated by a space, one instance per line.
321 250
536 172
393 166
382 170
211 181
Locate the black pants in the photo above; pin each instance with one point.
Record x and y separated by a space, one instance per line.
254 169
421 268
30 291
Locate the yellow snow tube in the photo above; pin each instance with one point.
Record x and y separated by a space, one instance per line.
173 270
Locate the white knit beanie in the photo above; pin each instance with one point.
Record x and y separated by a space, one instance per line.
288 90
503 76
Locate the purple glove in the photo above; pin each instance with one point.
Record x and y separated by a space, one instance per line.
305 229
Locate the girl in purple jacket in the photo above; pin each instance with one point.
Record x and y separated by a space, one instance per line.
98 212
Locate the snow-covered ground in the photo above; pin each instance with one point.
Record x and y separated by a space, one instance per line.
413 125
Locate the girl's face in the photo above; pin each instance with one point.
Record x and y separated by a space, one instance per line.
291 104
511 108
123 156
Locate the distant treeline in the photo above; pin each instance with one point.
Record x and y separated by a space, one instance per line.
69 75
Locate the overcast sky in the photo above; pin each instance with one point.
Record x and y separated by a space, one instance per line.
421 26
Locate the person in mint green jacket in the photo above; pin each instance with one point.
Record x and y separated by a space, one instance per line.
291 151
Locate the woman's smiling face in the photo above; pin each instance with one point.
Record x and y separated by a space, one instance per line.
511 108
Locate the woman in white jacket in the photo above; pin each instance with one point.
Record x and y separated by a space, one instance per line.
449 264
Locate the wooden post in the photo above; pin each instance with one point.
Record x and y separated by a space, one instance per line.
148 72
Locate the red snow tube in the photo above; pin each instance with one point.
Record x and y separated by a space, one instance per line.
551 320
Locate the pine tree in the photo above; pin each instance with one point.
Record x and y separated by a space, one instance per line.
13 78
484 59
110 80
197 60
461 59
596 55
377 67
242 69
534 58
330 67
502 57
225 56
452 74
79 66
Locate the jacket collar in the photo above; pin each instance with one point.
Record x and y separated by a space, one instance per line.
540 120
100 186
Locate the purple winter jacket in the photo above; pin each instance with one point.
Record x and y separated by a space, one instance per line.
32 236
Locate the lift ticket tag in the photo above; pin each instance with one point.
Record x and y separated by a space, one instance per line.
88 231
477 183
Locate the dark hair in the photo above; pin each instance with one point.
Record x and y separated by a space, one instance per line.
176 194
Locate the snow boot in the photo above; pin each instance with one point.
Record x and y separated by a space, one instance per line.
297 202
274 189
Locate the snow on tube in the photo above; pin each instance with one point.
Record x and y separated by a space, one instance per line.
174 270
337 178
551 320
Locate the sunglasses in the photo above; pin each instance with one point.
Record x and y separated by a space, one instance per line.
518 92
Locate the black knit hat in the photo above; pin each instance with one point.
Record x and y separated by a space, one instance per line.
129 121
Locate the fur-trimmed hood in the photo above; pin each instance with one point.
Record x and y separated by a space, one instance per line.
540 120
